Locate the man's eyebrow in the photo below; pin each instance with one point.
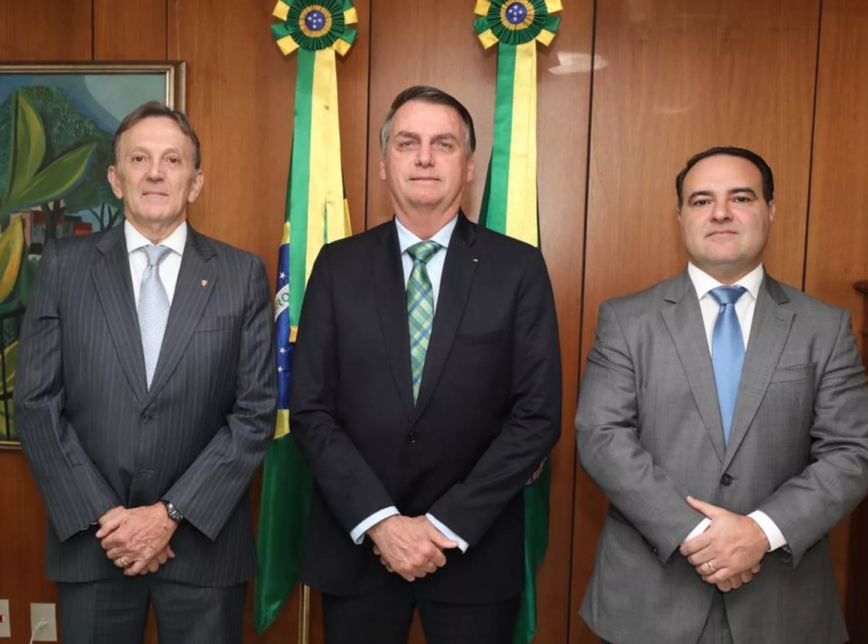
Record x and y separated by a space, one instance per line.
731 191
404 134
700 193
746 189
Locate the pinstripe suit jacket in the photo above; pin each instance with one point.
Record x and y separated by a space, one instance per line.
649 433
96 437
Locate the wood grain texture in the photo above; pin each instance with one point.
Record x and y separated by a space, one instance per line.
22 544
837 253
675 77
46 30
129 30
240 98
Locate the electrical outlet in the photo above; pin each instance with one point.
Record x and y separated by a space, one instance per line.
47 633
5 628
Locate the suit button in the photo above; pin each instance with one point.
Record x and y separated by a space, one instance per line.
147 418
726 480
412 438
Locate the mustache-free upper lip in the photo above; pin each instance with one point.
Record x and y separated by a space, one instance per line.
719 231
155 192
424 178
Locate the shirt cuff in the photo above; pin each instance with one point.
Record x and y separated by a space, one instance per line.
462 544
773 533
698 530
358 533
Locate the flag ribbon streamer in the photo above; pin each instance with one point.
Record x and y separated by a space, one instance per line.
510 206
316 213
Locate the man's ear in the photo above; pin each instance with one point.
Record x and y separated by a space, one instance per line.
198 182
115 182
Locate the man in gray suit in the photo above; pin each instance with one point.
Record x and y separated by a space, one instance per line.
725 416
145 401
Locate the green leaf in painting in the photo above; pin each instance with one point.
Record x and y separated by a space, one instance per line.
55 181
11 251
28 145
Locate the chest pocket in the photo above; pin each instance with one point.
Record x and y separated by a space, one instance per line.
219 323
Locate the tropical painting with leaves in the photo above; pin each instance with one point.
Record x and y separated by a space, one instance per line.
55 140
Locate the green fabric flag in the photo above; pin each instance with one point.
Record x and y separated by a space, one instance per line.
316 213
509 206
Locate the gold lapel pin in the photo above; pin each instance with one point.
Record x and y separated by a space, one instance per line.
204 282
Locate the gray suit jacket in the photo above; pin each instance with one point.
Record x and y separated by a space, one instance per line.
96 437
649 433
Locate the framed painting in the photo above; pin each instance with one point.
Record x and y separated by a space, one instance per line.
56 127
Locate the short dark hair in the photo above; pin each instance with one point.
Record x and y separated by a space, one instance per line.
428 94
753 157
153 109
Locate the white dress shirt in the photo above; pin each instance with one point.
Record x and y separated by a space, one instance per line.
435 273
744 310
169 267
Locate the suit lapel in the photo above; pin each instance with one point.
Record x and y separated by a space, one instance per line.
769 331
684 321
458 272
196 282
392 309
111 277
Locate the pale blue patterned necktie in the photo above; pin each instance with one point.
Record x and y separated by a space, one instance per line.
727 353
153 308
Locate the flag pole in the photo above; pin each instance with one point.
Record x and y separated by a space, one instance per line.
304 615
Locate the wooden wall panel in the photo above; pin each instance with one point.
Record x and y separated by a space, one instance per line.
129 30
22 544
837 253
46 30
675 77
434 44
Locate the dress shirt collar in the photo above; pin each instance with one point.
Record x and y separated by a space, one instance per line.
136 240
703 282
442 236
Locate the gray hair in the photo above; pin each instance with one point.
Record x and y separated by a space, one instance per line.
153 109
436 96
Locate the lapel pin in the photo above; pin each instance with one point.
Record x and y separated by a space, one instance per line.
204 282
476 260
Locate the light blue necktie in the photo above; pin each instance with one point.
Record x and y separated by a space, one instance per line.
727 352
153 308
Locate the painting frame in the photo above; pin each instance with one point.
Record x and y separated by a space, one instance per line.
164 81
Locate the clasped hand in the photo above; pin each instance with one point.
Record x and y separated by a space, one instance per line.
410 546
729 552
137 540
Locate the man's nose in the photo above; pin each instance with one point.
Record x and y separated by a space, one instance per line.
424 158
155 171
721 211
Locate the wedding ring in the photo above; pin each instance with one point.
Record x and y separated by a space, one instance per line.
710 567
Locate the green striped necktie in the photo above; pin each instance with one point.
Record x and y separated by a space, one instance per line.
420 308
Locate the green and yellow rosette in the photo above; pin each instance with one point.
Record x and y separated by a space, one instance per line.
316 208
510 200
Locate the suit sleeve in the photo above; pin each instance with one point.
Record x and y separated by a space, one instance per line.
350 487
534 424
607 439
807 506
75 493
211 488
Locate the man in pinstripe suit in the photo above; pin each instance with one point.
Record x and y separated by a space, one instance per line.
145 401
